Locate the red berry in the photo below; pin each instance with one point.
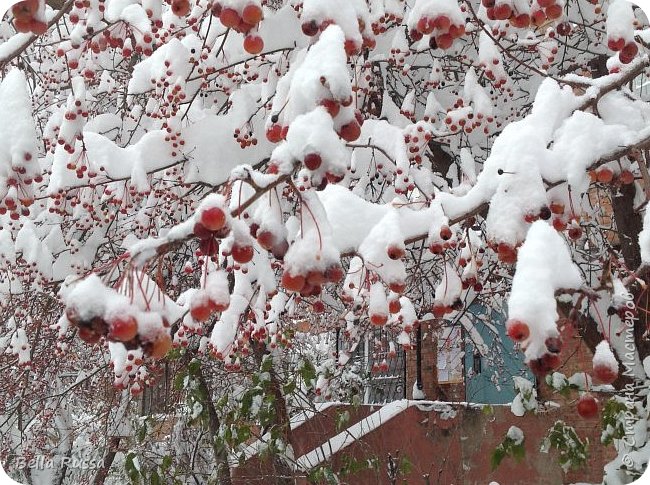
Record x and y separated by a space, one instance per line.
252 14
378 319
229 17
274 133
444 41
394 306
312 161
123 328
425 26
517 330
554 11
563 28
502 11
395 252
350 131
575 232
445 233
213 218
587 406
37 27
397 286
253 44
626 177
521 21
88 335
201 310
331 106
554 344
605 374
22 25
615 44
266 239
351 47
160 346
334 273
310 28
538 17
605 175
201 231
293 282
242 254
181 8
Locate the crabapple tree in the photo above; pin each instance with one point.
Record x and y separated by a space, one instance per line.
209 186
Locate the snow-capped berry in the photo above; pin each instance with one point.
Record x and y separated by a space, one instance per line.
213 218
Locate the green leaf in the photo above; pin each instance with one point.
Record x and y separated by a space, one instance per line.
289 387
518 452
498 455
154 479
307 372
142 432
405 466
267 363
131 470
194 367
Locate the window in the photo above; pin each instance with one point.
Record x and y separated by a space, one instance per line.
450 356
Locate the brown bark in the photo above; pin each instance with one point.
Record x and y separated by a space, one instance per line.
283 473
102 472
220 454
629 224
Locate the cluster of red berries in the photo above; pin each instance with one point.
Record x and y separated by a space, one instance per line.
463 118
20 193
213 225
439 310
202 306
310 283
507 253
267 239
385 22
627 51
245 138
25 17
587 405
606 175
417 138
445 241
313 27
562 222
443 32
544 213
378 368
542 11
519 331
243 21
397 56
122 328
350 131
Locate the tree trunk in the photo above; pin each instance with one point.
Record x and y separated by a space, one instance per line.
220 454
102 473
283 472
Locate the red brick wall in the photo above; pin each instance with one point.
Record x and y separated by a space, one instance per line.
457 451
